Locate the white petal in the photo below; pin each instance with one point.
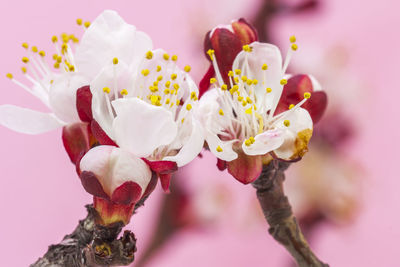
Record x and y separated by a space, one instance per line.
128 167
62 96
191 148
227 153
300 120
114 166
141 127
28 121
116 78
264 143
109 36
262 53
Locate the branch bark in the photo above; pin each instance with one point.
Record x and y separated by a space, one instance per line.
92 245
278 213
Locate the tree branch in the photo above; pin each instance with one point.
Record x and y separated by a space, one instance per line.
278 213
92 245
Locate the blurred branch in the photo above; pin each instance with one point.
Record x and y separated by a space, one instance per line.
278 213
92 245
272 8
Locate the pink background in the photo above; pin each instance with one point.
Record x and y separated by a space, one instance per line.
42 198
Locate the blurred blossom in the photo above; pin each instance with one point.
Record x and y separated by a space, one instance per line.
325 183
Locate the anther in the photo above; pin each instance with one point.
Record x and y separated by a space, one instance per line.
42 53
224 87
149 55
79 22
213 80
106 90
210 53
188 106
87 24
294 47
145 72
23 69
25 45
166 56
219 149
264 67
25 59
124 92
221 112
307 95
34 49
230 73
269 90
115 61
174 58
238 71
9 76
283 81
286 123
187 68
292 39
158 68
291 106
174 76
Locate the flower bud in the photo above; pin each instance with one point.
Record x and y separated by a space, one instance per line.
117 179
227 41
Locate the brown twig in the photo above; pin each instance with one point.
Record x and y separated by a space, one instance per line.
278 213
92 245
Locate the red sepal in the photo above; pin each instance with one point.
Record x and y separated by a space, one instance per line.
165 180
164 170
100 135
76 140
245 169
293 93
84 103
127 193
205 81
92 185
110 212
151 186
221 164
245 31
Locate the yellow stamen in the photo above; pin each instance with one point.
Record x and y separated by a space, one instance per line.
230 73
25 45
173 76
246 48
224 87
145 72
158 68
25 59
167 84
283 81
219 149
188 106
174 58
292 39
24 70
42 53
244 78
106 90
124 92
221 112
87 24
248 99
187 68
149 55
176 86
79 22
178 102
294 47
307 95
9 76
166 56
213 80
269 90
264 67
255 81
238 71
249 110
115 61
286 123
260 122
34 49
210 53
291 106
56 65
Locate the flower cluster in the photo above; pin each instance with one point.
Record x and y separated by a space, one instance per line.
131 115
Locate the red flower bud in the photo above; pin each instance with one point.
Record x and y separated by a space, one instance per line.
226 41
293 93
